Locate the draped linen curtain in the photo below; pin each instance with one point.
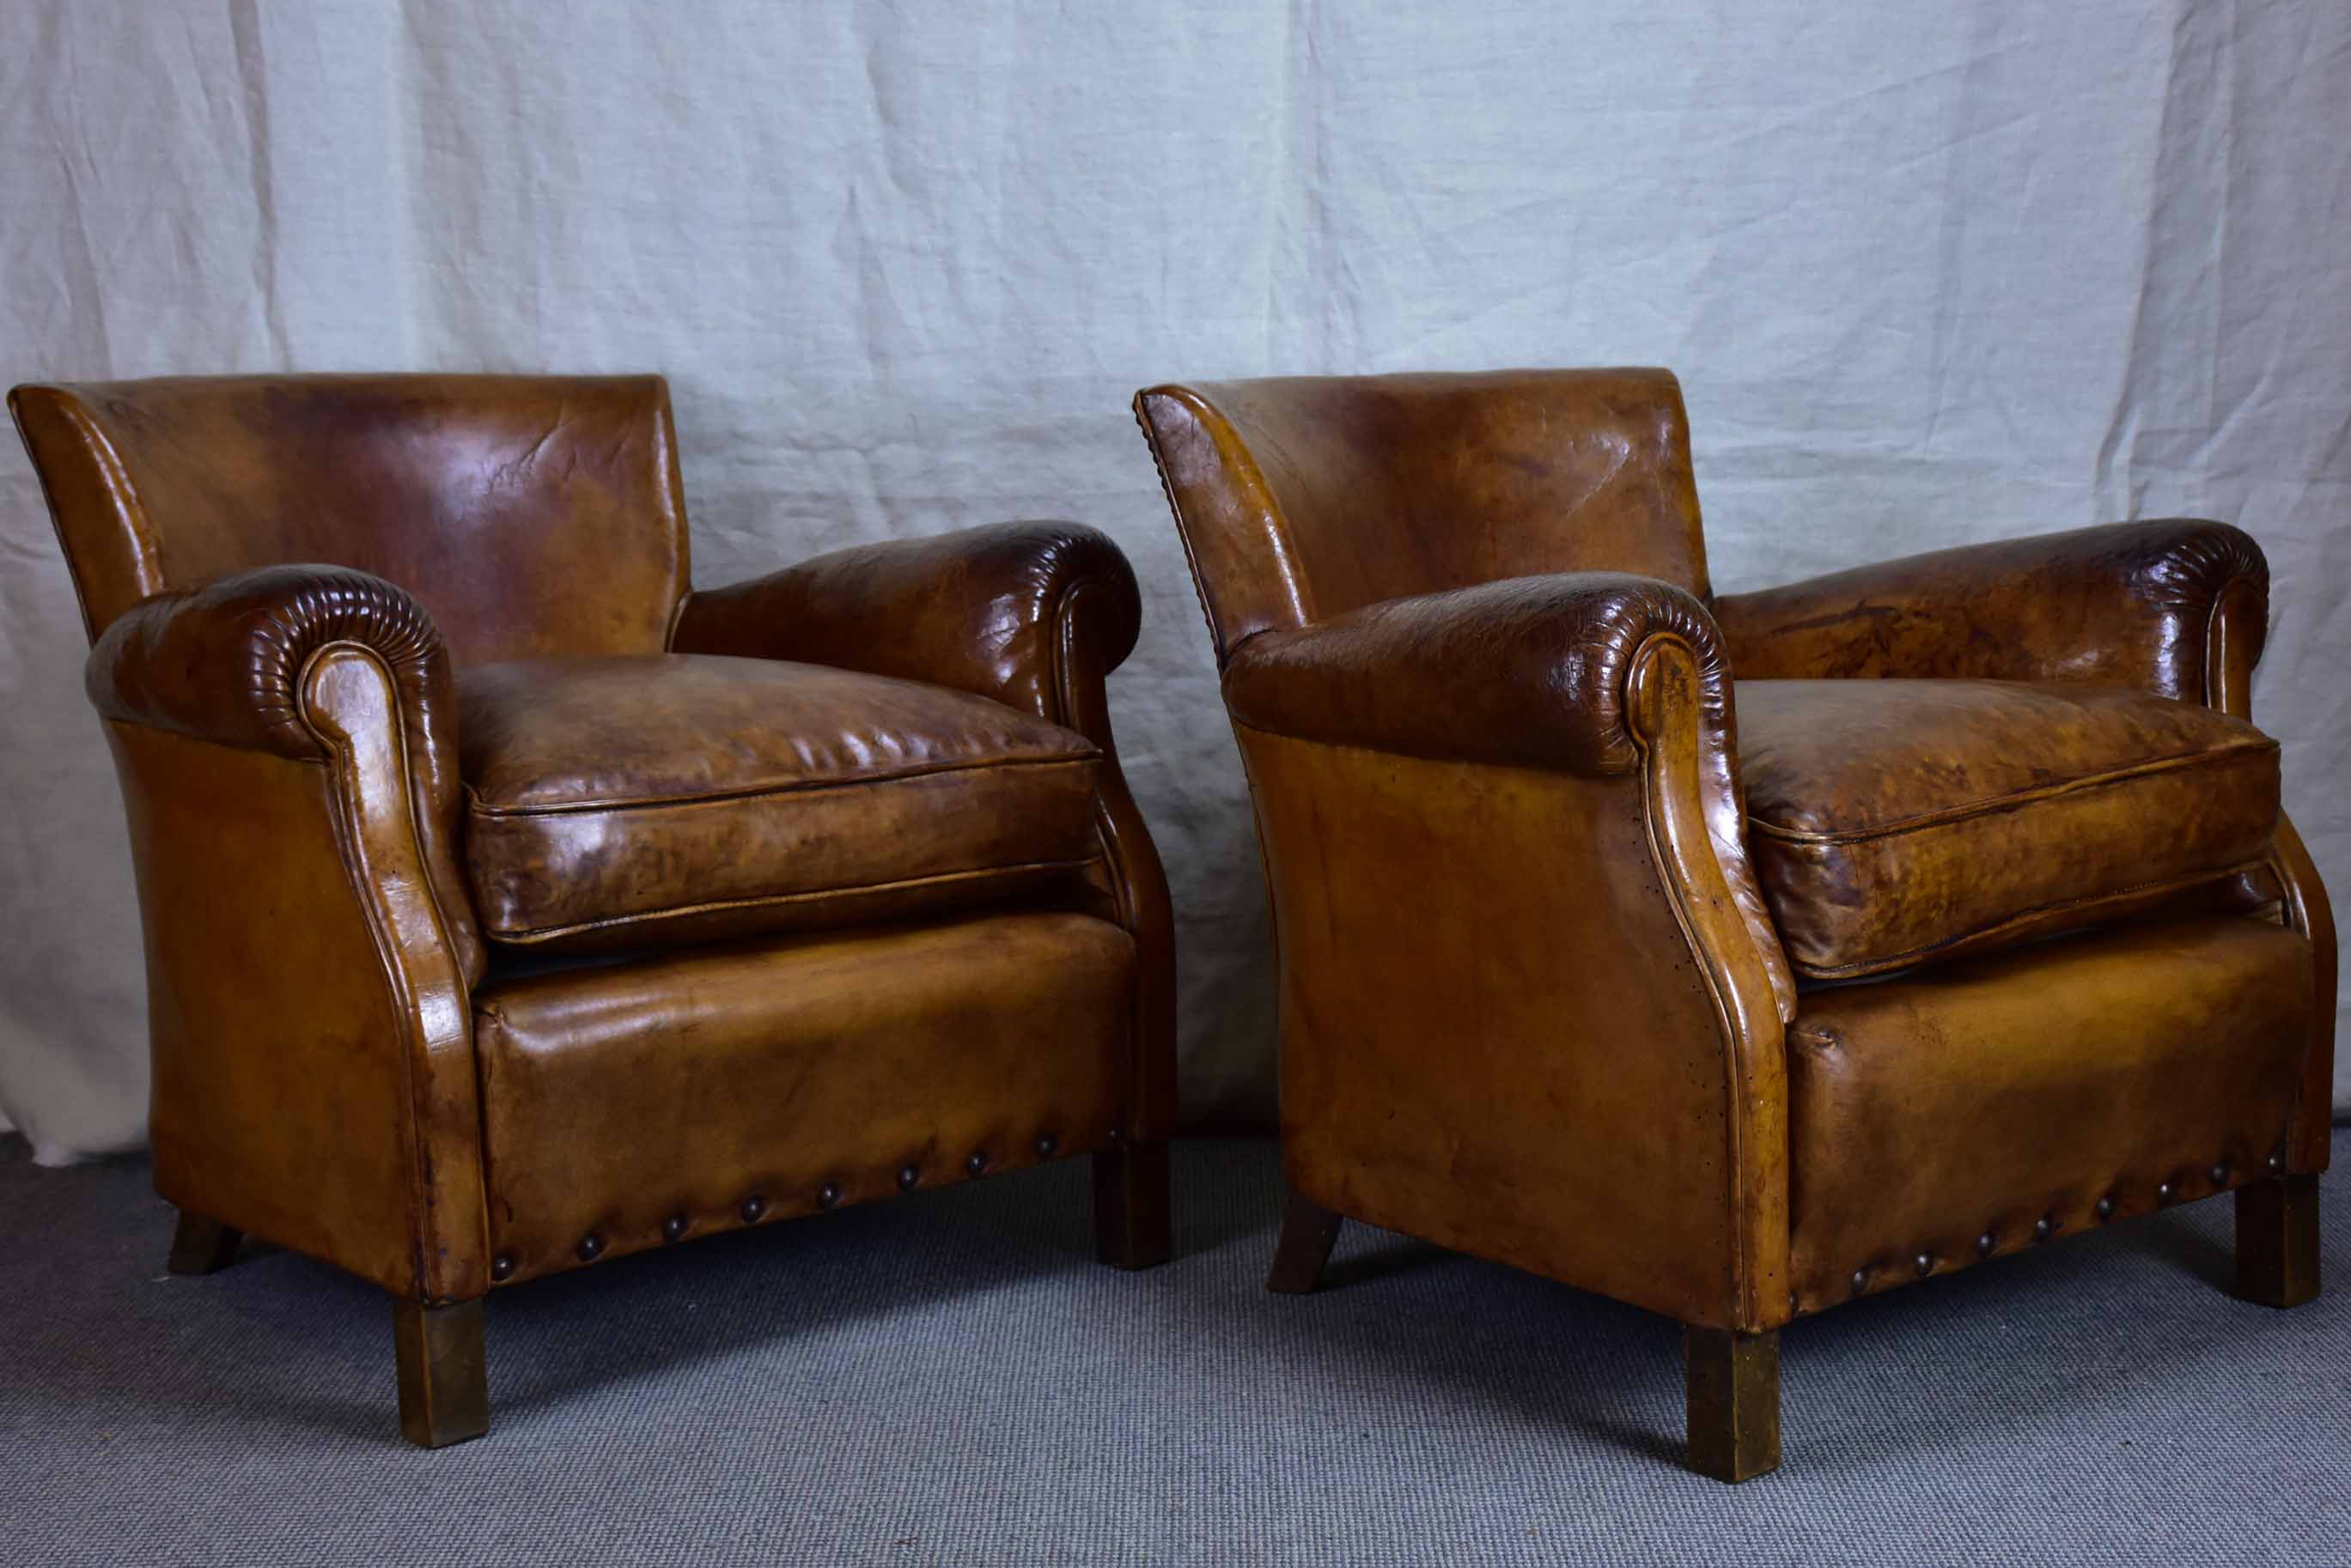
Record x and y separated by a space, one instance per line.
1932 271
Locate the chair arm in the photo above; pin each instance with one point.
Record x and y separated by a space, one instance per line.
997 610
2177 607
1528 671
225 662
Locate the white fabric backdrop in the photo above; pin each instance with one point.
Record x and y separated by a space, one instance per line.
1931 272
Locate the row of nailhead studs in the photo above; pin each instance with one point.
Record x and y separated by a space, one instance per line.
2046 1227
755 1208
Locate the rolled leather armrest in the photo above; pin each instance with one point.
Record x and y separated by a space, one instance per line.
2135 604
1527 670
225 662
982 609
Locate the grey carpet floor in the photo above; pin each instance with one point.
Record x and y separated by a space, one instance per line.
948 1379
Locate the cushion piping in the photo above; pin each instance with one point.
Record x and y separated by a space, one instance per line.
549 933
2237 751
479 807
1911 956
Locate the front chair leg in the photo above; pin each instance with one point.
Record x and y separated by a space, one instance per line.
444 1391
2277 1240
1734 1402
1133 1206
1309 1232
200 1245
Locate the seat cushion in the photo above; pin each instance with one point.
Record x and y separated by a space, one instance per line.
1894 822
667 798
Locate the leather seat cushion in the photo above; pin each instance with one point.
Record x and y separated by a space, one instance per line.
664 798
1896 822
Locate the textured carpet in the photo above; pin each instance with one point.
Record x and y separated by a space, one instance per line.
949 1380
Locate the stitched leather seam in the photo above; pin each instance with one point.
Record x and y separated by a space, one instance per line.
1906 959
2235 753
756 792
148 570
814 895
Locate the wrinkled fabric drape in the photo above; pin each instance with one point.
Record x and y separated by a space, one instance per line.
1931 272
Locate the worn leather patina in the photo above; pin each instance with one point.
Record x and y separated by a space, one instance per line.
408 689
1573 864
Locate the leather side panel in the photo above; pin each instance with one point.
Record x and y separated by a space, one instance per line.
283 1101
1304 497
1494 1035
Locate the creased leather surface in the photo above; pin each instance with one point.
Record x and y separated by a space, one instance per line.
1306 496
2125 604
1035 615
223 662
1977 1099
528 514
788 1065
684 797
978 609
1528 671
1892 821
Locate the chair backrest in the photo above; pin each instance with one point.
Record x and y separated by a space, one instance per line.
1301 498
529 515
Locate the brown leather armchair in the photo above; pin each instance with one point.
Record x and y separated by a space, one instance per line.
510 905
1625 935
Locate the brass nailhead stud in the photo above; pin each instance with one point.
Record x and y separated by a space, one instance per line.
1046 1143
1114 1139
907 1177
753 1207
1985 1243
674 1228
828 1194
2219 1174
2105 1208
1860 1281
502 1266
2043 1228
2164 1192
2277 1165
1925 1263
976 1164
591 1247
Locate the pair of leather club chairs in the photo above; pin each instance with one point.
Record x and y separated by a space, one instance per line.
510 904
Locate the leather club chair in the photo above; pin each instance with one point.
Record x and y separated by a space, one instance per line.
1741 956
511 905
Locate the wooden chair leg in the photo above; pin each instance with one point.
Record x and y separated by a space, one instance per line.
1309 1232
1734 1402
2277 1240
1135 1224
444 1391
200 1245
